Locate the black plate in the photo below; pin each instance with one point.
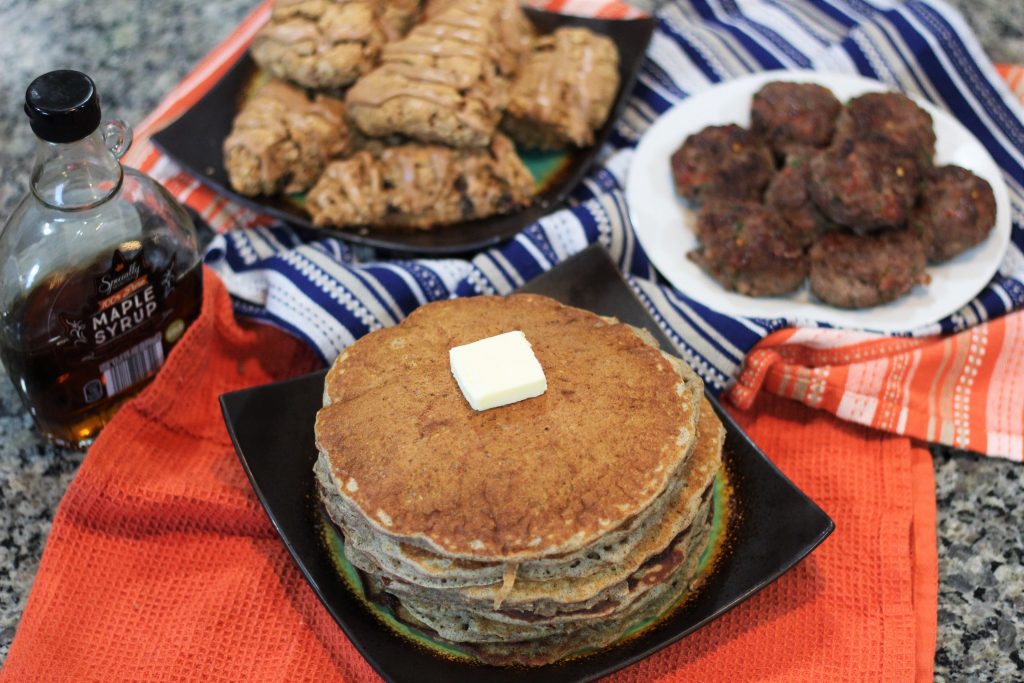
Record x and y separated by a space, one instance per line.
195 141
773 527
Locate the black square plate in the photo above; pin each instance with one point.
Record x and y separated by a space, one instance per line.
195 141
776 525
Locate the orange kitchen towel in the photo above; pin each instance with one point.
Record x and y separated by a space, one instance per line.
964 390
161 565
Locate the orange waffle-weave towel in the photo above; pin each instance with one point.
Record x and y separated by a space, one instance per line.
161 565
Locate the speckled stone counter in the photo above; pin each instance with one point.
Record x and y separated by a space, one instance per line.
136 51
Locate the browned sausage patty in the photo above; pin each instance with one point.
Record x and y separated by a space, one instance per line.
722 161
891 118
788 114
748 248
859 271
863 184
956 210
788 193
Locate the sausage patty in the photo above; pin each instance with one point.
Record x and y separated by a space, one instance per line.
788 193
722 161
956 210
859 271
748 248
864 184
794 114
891 118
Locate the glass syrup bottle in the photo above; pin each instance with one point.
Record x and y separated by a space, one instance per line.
100 271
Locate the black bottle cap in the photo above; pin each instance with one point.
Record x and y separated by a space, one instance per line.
63 106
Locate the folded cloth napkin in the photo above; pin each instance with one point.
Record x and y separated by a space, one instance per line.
329 295
964 390
161 566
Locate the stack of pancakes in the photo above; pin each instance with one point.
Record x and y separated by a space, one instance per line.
532 531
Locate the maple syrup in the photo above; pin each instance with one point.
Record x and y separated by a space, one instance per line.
82 347
99 268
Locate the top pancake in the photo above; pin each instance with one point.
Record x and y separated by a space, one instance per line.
547 475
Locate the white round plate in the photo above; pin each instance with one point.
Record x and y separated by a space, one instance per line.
664 223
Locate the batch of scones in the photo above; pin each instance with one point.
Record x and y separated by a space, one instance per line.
407 115
537 530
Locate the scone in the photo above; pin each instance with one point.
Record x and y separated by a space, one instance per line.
398 16
447 81
564 91
320 44
419 186
282 139
515 35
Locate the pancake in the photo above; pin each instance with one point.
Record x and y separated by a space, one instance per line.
456 616
595 635
557 643
548 597
465 627
535 478
422 567
533 530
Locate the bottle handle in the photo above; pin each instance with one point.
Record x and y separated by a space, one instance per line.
117 136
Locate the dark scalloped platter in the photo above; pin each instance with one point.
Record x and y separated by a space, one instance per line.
772 527
195 141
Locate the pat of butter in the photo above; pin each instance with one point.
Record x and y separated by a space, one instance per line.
497 371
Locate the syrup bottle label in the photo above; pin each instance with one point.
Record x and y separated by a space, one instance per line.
126 369
92 337
126 296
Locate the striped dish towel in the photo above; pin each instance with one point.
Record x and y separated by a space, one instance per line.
963 388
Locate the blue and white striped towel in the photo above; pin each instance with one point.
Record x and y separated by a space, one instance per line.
329 294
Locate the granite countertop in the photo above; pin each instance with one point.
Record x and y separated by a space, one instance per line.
980 500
